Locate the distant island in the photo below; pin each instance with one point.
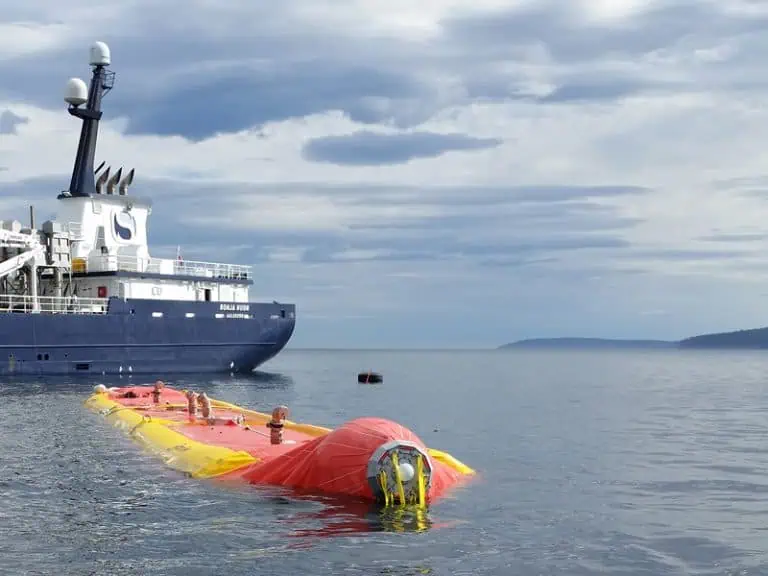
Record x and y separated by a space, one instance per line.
752 339
591 343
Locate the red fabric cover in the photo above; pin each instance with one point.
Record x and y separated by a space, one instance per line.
337 462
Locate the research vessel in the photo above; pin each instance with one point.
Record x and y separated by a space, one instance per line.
82 294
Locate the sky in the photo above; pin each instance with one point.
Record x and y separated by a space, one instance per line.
441 173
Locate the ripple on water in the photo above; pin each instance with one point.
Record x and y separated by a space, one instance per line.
590 463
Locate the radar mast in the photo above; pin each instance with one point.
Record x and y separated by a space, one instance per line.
83 181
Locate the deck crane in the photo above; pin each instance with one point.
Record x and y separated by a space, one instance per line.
32 249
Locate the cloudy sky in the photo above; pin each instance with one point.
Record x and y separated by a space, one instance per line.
433 173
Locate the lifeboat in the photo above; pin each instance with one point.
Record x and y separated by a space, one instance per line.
372 459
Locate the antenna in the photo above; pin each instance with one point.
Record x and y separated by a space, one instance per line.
100 55
113 181
76 94
100 181
127 181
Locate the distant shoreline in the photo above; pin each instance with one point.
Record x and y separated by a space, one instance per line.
752 339
590 343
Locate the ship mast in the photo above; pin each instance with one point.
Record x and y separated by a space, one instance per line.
83 181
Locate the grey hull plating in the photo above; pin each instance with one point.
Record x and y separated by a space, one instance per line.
133 338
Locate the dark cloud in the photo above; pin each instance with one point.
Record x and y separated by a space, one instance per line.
749 182
434 247
531 203
371 149
555 27
692 254
194 80
232 103
610 88
437 247
495 226
516 261
9 122
372 194
473 223
202 86
572 55
759 192
726 237
526 197
38 192
571 193
443 246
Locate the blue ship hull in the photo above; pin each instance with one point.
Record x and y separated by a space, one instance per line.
131 338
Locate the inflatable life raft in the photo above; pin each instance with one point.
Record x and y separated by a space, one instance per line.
368 458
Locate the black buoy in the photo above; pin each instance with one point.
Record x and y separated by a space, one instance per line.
369 378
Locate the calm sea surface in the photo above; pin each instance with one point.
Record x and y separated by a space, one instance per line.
590 463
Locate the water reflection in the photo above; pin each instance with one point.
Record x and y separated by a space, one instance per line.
361 518
27 385
340 516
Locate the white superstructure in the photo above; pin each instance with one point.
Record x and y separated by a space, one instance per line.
108 234
97 245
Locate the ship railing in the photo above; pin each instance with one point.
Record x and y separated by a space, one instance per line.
24 303
174 267
210 269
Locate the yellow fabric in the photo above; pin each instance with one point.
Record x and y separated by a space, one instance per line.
449 460
177 451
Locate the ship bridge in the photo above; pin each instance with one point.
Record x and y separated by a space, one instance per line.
108 233
110 255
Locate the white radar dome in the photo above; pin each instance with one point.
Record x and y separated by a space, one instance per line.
100 54
76 92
